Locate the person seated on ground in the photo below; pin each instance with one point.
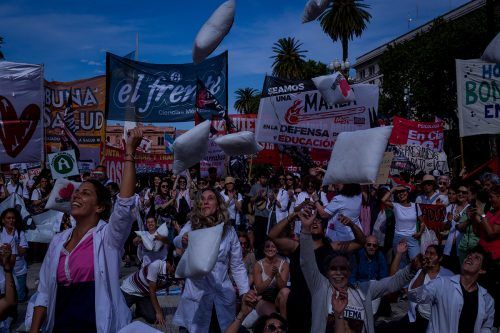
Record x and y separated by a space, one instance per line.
370 263
273 323
458 303
140 289
298 298
148 256
270 275
358 315
9 300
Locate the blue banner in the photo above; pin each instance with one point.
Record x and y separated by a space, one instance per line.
143 92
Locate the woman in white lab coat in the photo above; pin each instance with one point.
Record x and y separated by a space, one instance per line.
214 292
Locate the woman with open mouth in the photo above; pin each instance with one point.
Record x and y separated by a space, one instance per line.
79 289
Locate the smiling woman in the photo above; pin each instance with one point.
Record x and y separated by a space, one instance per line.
209 302
79 289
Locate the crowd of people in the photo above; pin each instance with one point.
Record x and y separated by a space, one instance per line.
295 256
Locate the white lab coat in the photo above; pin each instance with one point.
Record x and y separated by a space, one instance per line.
446 299
194 310
112 313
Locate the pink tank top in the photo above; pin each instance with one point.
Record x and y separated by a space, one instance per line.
78 265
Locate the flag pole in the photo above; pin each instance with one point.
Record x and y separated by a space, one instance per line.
462 159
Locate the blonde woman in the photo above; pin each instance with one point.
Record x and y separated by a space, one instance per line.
209 302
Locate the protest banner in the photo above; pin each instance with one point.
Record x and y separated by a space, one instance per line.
63 164
478 97
295 113
88 101
416 133
21 102
113 159
139 91
413 159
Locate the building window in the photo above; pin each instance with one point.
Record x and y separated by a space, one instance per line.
371 70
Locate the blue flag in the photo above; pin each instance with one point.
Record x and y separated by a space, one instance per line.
139 91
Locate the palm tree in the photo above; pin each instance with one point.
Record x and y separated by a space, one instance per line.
247 101
1 54
288 59
343 20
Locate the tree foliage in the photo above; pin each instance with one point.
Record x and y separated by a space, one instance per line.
343 20
247 100
1 54
426 66
314 68
288 59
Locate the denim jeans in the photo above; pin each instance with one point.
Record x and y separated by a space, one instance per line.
21 287
413 248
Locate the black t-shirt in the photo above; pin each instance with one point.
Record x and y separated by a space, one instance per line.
469 311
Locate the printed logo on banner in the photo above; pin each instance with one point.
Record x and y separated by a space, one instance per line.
63 164
160 93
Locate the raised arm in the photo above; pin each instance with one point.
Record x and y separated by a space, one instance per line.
123 214
401 249
284 244
308 264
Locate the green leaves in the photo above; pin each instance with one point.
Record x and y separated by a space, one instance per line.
288 59
247 101
345 19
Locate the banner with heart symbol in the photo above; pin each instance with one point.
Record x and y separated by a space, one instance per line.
21 105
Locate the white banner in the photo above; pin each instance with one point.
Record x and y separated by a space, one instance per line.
478 97
413 159
303 118
21 110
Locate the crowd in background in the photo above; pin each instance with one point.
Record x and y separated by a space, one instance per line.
295 256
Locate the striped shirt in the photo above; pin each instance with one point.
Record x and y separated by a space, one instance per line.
137 284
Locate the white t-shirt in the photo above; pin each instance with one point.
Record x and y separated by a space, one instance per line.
36 195
18 188
21 267
354 310
137 284
406 219
435 199
347 206
231 208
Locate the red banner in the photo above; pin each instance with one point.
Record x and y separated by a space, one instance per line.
409 132
144 162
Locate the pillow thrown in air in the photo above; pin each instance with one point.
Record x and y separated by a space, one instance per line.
60 197
492 51
191 147
241 143
313 9
213 31
334 88
356 156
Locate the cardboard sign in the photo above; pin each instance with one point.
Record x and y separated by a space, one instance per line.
63 164
433 216
385 168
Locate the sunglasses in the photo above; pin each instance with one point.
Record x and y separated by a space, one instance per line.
274 328
164 186
371 245
443 183
463 192
289 179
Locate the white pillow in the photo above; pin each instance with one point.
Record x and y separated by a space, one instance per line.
201 254
241 143
137 326
213 31
313 9
60 197
492 51
191 147
357 155
148 240
334 88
